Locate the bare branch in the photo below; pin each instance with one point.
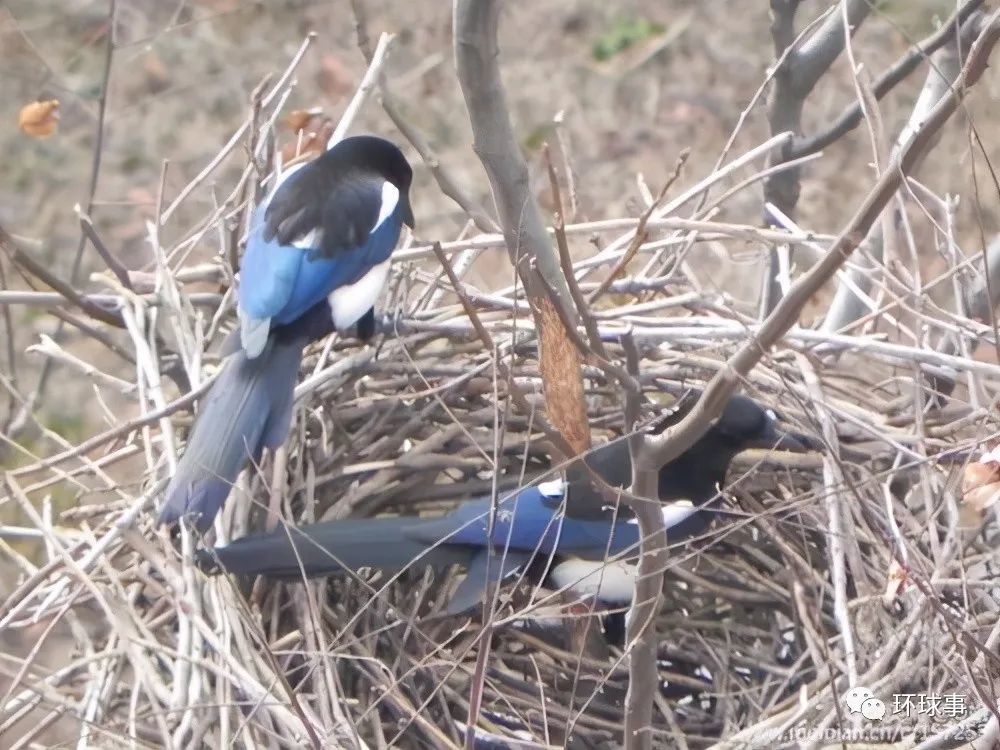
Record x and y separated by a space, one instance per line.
528 243
87 227
37 269
851 117
797 73
675 441
476 55
640 230
445 179
945 66
641 633
19 421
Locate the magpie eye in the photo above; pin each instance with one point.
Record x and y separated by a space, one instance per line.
769 413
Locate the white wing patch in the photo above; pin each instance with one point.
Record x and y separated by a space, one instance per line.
612 582
310 240
675 513
390 197
555 488
349 303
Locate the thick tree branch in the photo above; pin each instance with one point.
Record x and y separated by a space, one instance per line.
476 55
817 53
796 75
852 115
528 244
644 502
945 66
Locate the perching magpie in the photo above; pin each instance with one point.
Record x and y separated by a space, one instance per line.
316 259
527 525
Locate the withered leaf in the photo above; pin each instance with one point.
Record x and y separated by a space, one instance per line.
39 119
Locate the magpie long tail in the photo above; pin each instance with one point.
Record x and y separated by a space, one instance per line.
329 548
248 407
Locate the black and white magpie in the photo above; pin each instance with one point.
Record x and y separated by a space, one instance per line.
316 259
526 526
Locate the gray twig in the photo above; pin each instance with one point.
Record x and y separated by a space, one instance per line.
798 72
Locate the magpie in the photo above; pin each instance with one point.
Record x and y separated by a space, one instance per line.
317 257
529 525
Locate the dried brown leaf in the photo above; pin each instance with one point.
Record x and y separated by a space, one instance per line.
39 119
562 379
311 142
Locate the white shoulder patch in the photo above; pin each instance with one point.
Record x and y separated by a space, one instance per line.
349 303
771 415
309 241
675 513
555 488
390 197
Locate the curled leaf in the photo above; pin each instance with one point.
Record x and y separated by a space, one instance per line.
299 120
311 142
39 119
981 485
895 583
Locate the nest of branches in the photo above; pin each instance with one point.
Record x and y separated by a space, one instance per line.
858 565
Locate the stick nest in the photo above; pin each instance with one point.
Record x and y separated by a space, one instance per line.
861 562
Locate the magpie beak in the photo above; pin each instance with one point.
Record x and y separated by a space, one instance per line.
406 212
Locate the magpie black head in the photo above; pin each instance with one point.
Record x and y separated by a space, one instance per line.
698 473
743 424
701 470
370 153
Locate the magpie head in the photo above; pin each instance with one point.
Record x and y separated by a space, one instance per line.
743 424
697 473
746 424
373 154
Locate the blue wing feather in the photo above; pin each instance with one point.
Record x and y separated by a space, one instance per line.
269 272
281 282
525 521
